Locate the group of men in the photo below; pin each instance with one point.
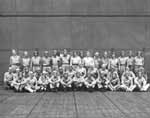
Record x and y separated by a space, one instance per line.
67 71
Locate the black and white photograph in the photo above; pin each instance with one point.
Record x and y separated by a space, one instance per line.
74 59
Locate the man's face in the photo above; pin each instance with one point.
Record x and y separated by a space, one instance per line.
54 52
65 52
130 53
75 53
14 52
105 54
10 70
97 54
17 71
122 53
140 74
46 54
88 54
35 53
103 67
139 53
113 55
25 53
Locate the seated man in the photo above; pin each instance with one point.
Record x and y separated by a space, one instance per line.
141 82
95 74
8 78
43 81
104 75
66 81
78 81
114 83
99 83
81 70
90 80
71 72
26 74
80 73
54 81
127 80
31 83
17 78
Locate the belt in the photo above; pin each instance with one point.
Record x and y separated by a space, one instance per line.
65 63
75 64
122 64
36 65
138 65
25 65
46 65
16 64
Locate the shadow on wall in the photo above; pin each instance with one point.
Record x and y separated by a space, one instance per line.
86 7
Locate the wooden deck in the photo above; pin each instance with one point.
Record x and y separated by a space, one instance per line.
74 105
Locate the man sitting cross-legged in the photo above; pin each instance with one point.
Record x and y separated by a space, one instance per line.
127 80
141 82
54 81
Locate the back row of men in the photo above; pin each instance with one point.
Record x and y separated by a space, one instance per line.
63 70
65 59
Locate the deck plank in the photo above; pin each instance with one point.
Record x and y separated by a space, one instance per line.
95 105
56 105
74 105
129 104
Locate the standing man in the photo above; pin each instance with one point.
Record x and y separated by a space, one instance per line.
114 62
88 61
36 62
122 63
26 61
15 60
55 60
46 61
130 61
65 59
138 62
75 60
105 61
97 60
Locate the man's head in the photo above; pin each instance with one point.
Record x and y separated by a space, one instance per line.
14 52
36 53
46 53
130 53
25 53
122 53
105 54
96 54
